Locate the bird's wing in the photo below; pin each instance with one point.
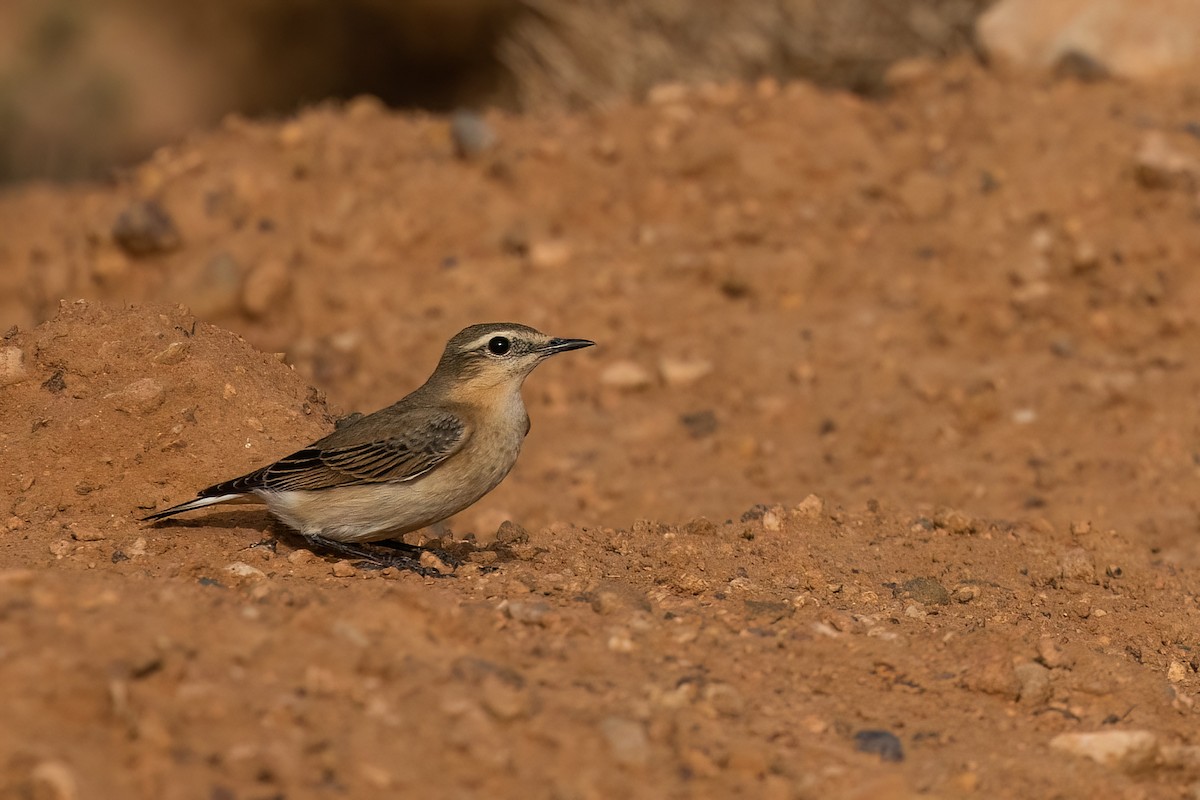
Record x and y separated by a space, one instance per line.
388 447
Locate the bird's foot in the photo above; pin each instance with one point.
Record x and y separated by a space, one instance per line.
368 557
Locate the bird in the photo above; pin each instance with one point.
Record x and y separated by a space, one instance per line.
412 464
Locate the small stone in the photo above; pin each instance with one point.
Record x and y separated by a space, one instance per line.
1077 564
550 254
265 286
965 593
145 228
240 569
1131 751
1053 655
301 557
700 424
61 548
88 535
1034 682
172 354
53 780
504 700
12 366
430 560
343 569
510 533
471 133
683 372
141 397
916 611
627 740
993 674
810 507
1176 671
1159 165
885 744
924 590
772 519
725 699
626 375
138 548
954 521
528 613
700 526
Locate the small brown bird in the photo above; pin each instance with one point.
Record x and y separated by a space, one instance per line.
414 463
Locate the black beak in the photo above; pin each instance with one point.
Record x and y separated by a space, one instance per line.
563 345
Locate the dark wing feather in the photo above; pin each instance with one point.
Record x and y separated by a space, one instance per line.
388 447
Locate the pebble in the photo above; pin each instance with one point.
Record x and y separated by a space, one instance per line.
504 700
240 569
173 354
772 519
471 134
1159 165
925 590
529 613
145 228
1034 682
88 535
1053 655
343 569
300 556
54 780
1077 564
431 561
510 533
626 375
725 699
61 548
550 254
683 372
12 366
885 744
265 286
141 397
965 593
1131 751
811 507
627 740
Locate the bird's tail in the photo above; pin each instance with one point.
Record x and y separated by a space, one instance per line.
192 505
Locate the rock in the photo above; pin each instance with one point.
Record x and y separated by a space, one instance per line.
550 254
503 699
810 507
725 699
700 424
1034 683
925 590
265 285
301 556
626 375
885 744
53 780
626 740
471 134
1136 39
430 560
343 569
1077 564
145 228
772 519
1053 655
172 354
141 397
531 613
88 535
240 569
682 372
12 366
1131 751
993 674
1160 165
965 593
510 533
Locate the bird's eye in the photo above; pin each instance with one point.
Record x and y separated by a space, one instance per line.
499 345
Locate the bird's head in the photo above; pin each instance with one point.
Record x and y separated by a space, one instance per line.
493 355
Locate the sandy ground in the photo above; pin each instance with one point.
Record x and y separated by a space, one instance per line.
881 482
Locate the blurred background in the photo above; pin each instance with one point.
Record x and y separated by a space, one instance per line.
89 84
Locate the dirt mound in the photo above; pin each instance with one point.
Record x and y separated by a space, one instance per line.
110 412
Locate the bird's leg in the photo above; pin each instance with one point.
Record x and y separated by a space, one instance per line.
373 559
396 544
